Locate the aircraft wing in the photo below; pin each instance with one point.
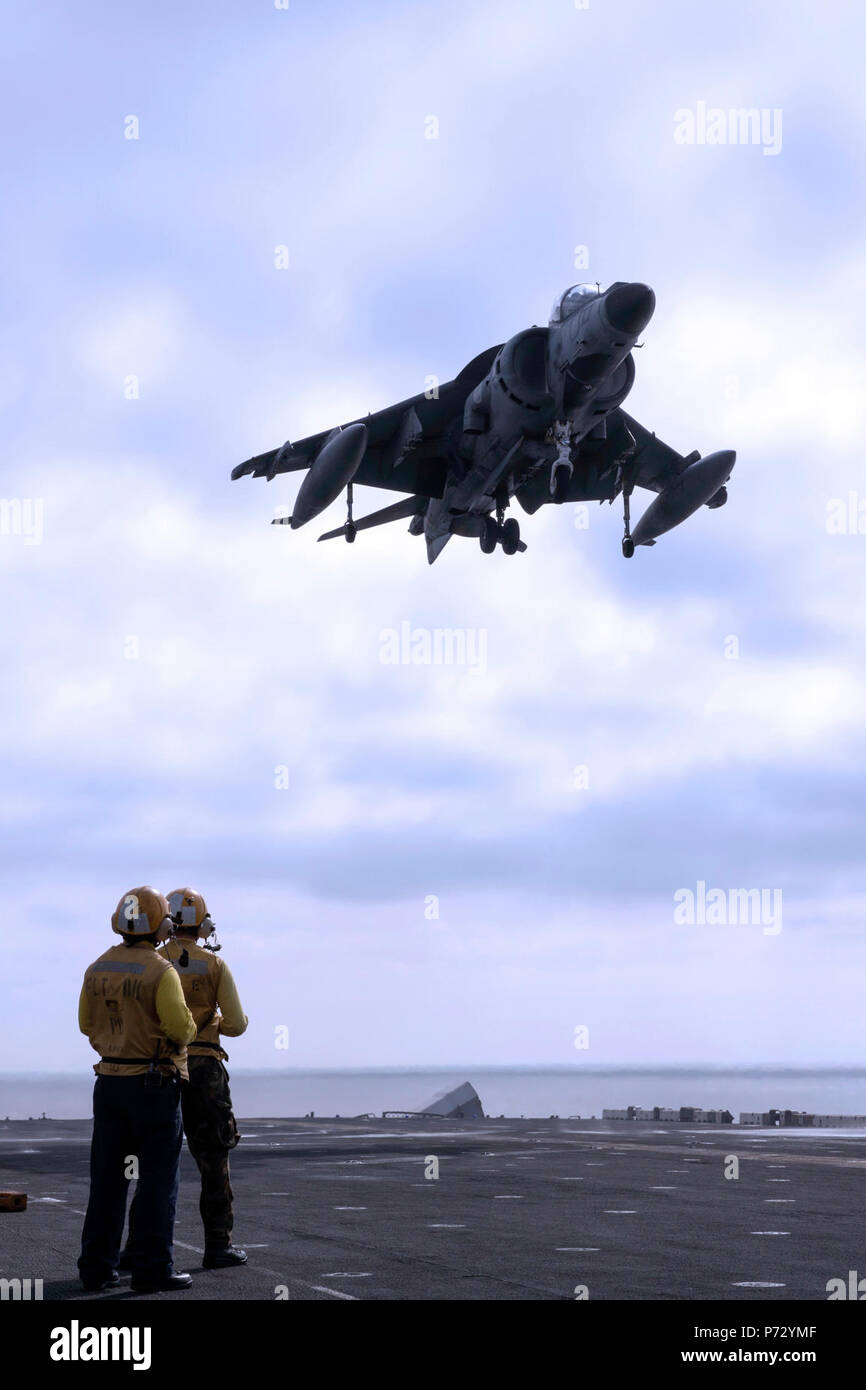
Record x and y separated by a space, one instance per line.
407 444
643 457
654 464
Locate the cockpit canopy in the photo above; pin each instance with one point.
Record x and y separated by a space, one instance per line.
572 300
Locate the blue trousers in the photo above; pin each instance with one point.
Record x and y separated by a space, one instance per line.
132 1121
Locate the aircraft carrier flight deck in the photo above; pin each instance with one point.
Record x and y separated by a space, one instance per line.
520 1210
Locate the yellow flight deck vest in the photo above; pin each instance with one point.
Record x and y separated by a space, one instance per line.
199 972
120 988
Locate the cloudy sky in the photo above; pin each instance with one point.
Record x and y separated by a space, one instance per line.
420 864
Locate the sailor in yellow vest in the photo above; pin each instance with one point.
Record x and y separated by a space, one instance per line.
132 1009
211 1132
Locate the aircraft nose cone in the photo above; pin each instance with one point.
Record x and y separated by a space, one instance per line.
629 308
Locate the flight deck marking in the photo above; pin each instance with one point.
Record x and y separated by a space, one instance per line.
445 1226
612 1211
281 1278
508 1197
46 1139
664 1189
784 1200
350 1208
769 1233
335 1293
821 1159
756 1284
437 1263
579 1249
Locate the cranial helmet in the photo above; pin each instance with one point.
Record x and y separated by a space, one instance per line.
189 909
141 912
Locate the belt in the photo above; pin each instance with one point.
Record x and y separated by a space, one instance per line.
137 1062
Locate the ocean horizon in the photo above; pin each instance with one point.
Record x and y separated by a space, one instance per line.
530 1091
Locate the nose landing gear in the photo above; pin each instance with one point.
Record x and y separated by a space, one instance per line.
562 468
560 479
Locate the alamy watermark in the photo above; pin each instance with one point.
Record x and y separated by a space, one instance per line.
734 125
20 1289
846 516
855 1288
22 516
715 907
439 646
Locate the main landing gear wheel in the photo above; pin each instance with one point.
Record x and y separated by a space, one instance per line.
510 536
627 547
506 534
489 535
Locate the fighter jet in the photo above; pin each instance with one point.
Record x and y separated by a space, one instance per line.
538 419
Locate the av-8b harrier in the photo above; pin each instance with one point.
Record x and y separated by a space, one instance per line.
538 419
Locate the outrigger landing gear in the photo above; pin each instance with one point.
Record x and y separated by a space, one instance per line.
351 529
627 542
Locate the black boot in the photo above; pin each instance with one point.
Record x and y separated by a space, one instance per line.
109 1281
221 1257
169 1284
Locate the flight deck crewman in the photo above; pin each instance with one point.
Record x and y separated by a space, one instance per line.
132 1009
208 1122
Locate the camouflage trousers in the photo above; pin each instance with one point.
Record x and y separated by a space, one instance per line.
211 1133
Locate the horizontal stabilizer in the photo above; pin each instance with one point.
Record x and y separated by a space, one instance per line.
398 511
